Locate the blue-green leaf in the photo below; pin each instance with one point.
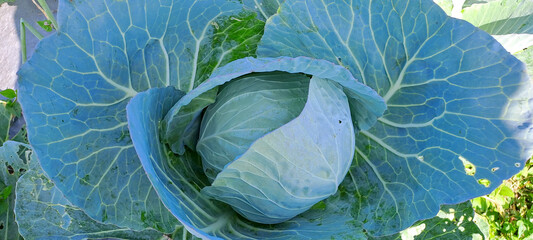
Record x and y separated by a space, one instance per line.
75 88
246 109
182 124
453 93
264 8
446 5
456 221
42 212
179 179
365 105
452 222
290 169
13 163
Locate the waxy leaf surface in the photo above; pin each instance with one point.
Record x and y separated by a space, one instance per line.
44 213
178 179
75 88
454 97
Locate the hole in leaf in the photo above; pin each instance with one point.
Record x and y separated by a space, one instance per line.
1 225
10 169
485 182
421 158
340 121
470 169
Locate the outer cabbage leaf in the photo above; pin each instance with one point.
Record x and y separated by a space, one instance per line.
468 3
5 122
510 22
456 221
453 94
452 222
290 169
178 179
13 163
75 88
446 5
264 8
42 212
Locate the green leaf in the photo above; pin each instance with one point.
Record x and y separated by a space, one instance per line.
14 108
46 25
13 163
5 122
21 136
4 193
483 224
43 213
9 93
504 190
81 79
509 21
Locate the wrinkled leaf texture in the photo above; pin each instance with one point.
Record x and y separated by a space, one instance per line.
437 74
452 93
75 88
42 212
179 179
13 163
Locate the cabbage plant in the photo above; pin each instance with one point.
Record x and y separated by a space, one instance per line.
234 120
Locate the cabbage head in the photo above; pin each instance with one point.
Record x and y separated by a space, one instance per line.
242 120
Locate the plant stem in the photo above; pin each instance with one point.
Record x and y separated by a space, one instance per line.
498 206
48 13
39 7
23 41
23 26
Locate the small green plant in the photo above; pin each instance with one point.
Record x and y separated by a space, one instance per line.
10 110
48 25
509 209
11 104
